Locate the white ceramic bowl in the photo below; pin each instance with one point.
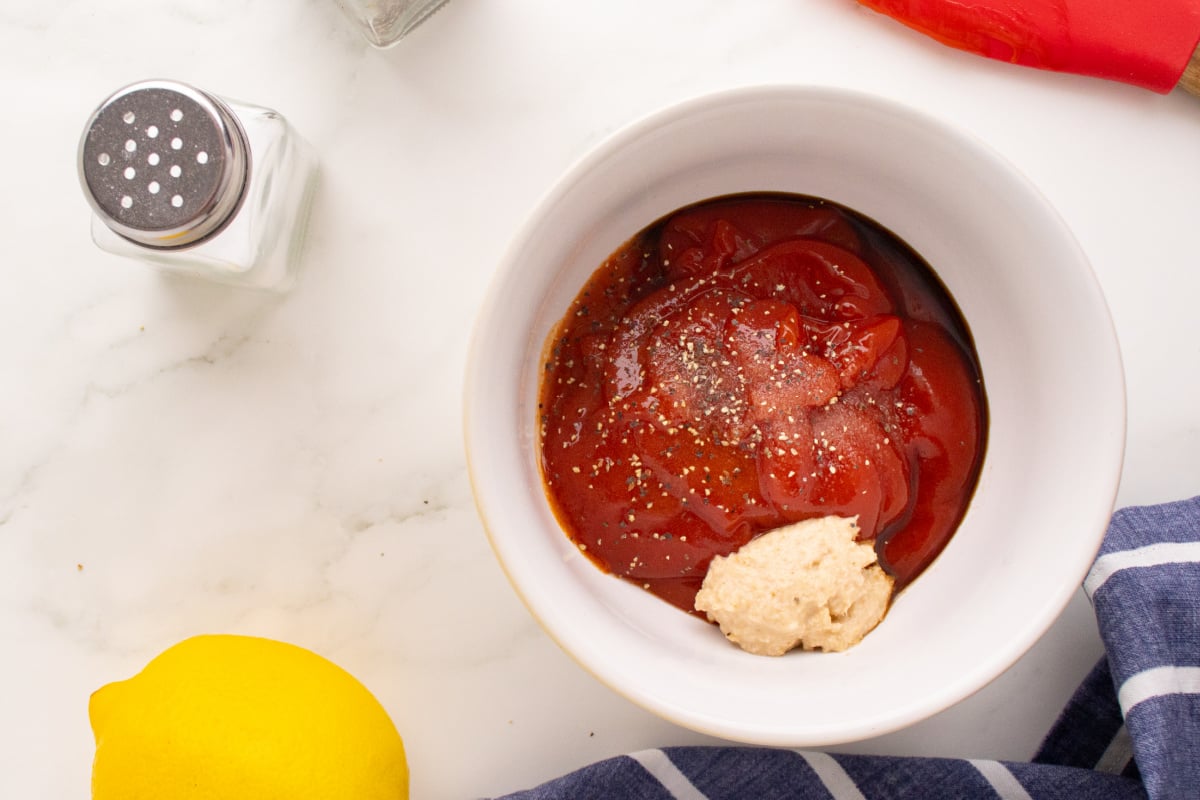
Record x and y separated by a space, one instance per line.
1051 368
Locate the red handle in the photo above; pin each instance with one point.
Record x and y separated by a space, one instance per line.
1146 43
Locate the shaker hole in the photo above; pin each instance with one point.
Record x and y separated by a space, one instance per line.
153 187
105 159
176 171
176 143
130 173
129 117
126 202
176 115
202 157
177 201
152 131
152 159
130 145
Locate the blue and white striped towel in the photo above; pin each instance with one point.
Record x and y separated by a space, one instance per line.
1132 730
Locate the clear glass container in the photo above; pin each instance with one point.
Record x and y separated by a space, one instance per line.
385 22
198 185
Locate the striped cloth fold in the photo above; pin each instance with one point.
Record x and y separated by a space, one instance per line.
1131 730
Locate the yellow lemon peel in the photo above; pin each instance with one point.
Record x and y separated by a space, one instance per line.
235 717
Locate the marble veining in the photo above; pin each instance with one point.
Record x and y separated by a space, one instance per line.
182 458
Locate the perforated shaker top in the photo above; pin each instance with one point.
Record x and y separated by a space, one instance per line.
164 164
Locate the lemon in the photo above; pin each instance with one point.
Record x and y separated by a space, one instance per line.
243 718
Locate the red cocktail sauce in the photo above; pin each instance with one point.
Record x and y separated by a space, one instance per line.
749 362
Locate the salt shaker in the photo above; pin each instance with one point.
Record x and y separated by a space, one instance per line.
385 22
198 184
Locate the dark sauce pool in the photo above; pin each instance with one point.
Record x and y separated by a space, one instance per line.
752 361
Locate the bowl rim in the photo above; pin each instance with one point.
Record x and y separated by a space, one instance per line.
1111 439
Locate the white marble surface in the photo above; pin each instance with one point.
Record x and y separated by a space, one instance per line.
180 458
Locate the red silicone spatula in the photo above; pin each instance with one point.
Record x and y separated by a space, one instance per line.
1149 43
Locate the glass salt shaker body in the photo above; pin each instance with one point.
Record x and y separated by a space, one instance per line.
198 184
385 22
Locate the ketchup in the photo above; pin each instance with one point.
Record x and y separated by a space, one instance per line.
749 362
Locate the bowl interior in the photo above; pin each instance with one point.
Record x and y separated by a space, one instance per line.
1051 369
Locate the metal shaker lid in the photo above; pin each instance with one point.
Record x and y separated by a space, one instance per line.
164 164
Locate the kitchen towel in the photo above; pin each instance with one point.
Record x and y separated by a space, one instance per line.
1132 729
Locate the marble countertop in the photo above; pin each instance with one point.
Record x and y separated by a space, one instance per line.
181 458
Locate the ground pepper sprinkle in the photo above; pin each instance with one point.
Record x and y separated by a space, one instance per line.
789 359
